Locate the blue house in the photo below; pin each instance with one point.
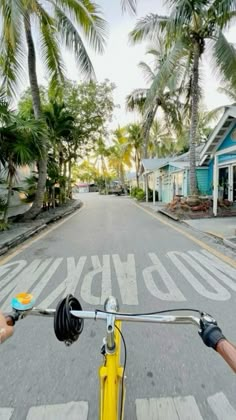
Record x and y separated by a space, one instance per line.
170 176
219 155
215 171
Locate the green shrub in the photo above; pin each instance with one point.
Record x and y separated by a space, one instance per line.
136 191
140 195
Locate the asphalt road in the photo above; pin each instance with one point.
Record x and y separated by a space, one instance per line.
112 246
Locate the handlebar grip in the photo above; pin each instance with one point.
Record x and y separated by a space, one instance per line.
12 318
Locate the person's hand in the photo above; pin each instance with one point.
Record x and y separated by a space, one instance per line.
6 330
210 333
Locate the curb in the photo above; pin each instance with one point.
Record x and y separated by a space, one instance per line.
228 242
175 218
21 238
33 231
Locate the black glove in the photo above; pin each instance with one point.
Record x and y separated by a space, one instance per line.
210 333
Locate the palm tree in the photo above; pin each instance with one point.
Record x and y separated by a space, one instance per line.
192 29
166 99
162 142
119 154
58 22
21 143
229 90
135 139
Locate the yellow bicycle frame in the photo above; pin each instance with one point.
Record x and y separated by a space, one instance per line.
110 375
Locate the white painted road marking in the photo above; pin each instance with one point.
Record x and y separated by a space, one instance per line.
173 294
126 276
184 408
92 276
71 411
187 408
221 407
202 270
220 293
6 413
170 408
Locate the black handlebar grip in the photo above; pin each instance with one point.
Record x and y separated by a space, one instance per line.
12 318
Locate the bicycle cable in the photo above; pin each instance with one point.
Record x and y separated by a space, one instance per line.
67 327
123 376
150 313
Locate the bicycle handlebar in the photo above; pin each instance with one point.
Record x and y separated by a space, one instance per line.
103 315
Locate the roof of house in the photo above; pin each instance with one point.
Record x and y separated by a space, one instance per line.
150 165
180 161
185 156
219 133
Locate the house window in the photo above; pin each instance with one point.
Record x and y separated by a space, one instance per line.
233 135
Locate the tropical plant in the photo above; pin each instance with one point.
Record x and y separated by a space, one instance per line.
21 143
166 99
85 172
192 28
119 154
58 22
135 140
129 5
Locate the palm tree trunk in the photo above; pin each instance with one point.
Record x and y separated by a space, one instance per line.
69 178
42 164
10 184
147 127
137 167
194 120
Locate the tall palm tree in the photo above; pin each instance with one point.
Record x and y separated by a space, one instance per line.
192 29
119 154
59 22
135 139
166 99
21 143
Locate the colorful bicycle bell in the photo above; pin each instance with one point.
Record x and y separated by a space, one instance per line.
23 302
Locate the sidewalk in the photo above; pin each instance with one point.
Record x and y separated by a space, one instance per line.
19 232
223 228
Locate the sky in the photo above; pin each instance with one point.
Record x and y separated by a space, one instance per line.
120 61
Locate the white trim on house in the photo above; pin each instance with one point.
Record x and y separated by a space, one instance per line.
219 134
228 150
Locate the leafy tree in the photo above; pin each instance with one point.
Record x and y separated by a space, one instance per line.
59 23
192 29
119 154
92 105
166 99
85 172
21 143
135 140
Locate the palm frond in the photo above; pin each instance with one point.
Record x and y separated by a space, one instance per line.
11 53
147 71
136 100
73 41
229 91
50 51
165 72
224 57
129 5
87 15
148 28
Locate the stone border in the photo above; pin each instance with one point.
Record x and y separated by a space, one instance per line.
41 225
229 242
167 214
